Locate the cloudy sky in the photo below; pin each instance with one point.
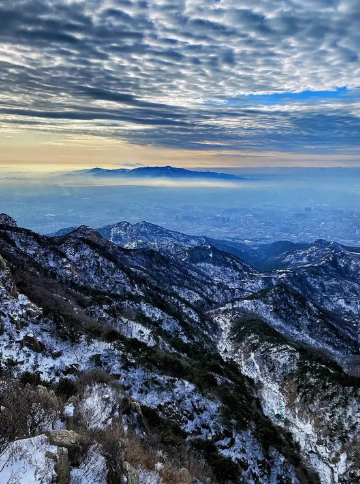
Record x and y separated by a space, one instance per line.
191 82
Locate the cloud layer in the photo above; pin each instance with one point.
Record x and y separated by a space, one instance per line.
183 73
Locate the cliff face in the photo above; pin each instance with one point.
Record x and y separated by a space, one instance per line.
305 394
218 363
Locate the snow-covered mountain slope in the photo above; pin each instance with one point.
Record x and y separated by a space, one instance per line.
328 284
191 281
197 253
222 267
303 393
296 318
325 272
277 255
145 234
265 257
197 337
173 385
88 278
148 235
291 255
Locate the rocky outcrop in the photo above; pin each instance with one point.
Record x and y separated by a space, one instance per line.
3 265
131 405
72 369
33 344
62 466
7 286
7 220
318 405
64 438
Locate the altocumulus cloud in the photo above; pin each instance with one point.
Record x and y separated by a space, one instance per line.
183 73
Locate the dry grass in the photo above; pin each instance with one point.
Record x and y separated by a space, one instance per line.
169 475
138 453
26 411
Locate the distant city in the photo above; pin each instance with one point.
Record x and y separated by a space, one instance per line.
259 224
299 206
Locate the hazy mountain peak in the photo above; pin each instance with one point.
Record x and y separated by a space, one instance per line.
158 172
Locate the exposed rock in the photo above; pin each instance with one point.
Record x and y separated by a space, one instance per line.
131 474
3 265
7 220
51 455
132 410
64 438
62 467
135 407
71 369
131 405
18 324
33 344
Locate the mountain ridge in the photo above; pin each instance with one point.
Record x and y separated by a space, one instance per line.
195 336
168 171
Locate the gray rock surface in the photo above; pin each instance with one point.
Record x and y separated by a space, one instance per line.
62 466
64 438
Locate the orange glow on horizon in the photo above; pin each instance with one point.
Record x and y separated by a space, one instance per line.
20 152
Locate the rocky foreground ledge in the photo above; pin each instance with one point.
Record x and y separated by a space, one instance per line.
96 437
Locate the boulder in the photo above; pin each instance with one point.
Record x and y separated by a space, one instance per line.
130 405
62 467
64 438
72 369
135 407
33 344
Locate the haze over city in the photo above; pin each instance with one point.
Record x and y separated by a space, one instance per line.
266 90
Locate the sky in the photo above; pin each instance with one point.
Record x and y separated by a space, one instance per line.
192 83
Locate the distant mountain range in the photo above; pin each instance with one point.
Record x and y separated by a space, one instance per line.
265 257
157 172
325 272
147 235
